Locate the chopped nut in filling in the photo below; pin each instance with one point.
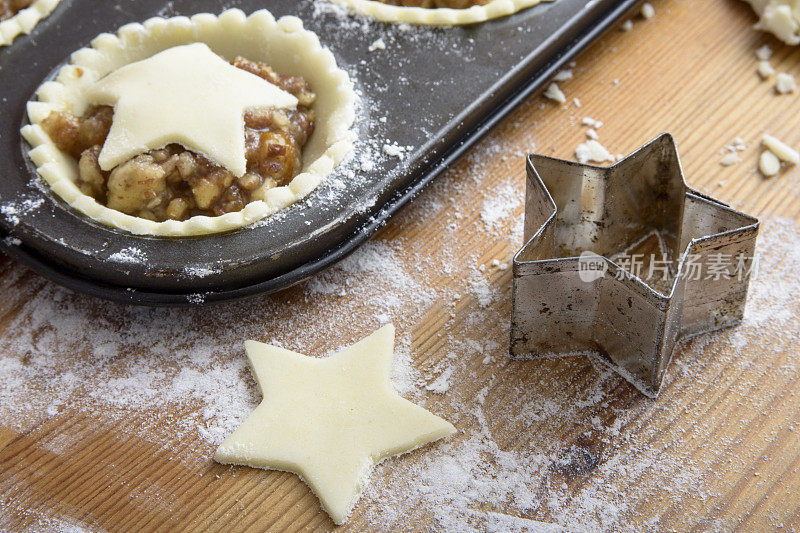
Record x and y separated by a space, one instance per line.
176 184
9 8
432 4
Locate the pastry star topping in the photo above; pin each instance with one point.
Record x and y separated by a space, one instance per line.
186 95
329 420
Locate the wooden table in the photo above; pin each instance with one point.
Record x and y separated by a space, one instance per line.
546 441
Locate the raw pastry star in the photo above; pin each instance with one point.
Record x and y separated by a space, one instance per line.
329 420
186 95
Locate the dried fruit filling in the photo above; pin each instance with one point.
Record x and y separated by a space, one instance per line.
176 184
433 4
9 8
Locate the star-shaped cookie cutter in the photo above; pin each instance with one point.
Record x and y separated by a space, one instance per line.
623 262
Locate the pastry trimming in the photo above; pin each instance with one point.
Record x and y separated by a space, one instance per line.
441 12
18 17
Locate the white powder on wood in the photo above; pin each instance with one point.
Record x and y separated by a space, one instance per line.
476 482
179 379
500 204
442 383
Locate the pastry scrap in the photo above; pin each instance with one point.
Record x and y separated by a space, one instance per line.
329 420
593 151
437 12
21 16
779 17
776 152
554 93
785 83
153 132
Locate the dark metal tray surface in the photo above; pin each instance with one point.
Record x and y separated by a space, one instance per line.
432 91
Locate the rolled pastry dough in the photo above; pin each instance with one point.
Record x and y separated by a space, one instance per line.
329 420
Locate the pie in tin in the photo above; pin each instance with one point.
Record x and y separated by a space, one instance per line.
436 12
189 126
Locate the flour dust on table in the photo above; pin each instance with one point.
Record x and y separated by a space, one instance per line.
178 378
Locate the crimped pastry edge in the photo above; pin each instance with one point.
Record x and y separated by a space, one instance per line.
283 43
25 20
438 16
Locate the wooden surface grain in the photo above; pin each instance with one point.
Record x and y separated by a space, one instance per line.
719 450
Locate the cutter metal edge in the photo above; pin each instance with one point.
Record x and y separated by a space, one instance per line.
628 323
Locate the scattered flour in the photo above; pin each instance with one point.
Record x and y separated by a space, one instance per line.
442 383
200 271
129 256
500 204
483 483
179 380
393 150
12 210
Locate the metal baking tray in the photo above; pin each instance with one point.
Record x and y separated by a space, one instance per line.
439 90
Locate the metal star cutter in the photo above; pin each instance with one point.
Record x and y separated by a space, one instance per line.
623 262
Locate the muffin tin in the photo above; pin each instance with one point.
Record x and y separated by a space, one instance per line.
426 96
